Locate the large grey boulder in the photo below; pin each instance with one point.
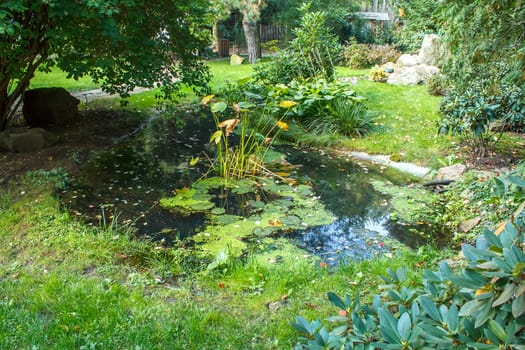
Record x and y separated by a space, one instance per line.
433 52
26 140
46 106
417 69
412 75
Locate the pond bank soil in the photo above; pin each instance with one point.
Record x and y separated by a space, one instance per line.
91 132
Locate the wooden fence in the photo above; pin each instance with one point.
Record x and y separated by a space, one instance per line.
268 32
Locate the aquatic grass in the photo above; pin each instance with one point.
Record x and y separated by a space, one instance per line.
255 135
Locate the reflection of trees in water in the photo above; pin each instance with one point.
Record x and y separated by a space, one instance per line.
343 186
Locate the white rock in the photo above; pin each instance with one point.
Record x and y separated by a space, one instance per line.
407 60
433 51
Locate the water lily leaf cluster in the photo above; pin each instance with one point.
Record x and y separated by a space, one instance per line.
247 210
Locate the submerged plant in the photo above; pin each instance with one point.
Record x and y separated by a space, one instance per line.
236 160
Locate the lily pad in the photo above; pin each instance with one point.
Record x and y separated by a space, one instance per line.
218 211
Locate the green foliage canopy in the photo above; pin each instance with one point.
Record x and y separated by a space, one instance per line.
486 39
121 44
418 18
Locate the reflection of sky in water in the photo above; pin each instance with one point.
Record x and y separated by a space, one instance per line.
128 181
343 240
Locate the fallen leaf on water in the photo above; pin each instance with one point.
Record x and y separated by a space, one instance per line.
275 222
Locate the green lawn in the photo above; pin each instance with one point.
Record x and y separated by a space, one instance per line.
58 78
407 123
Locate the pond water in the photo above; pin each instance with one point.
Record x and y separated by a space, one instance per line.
126 183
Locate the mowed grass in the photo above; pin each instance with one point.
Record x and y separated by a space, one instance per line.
66 285
407 123
58 78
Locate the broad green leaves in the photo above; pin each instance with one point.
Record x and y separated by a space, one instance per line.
482 307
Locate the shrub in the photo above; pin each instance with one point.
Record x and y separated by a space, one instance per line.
471 111
356 55
381 54
377 74
363 56
482 307
314 52
342 116
437 85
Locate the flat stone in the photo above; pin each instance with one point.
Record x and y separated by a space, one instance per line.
452 172
468 225
409 168
26 140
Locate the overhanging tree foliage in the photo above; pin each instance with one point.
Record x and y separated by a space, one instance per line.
121 44
486 39
486 68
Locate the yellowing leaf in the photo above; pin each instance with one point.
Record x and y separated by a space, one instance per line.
500 228
282 125
291 182
275 222
482 290
237 109
287 104
194 161
207 99
282 174
229 124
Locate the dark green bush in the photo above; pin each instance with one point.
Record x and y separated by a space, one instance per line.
472 110
482 307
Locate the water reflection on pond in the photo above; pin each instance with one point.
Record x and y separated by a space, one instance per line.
129 180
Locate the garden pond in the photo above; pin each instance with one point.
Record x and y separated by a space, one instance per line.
158 182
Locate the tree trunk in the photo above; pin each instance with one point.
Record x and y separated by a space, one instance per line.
249 28
215 33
